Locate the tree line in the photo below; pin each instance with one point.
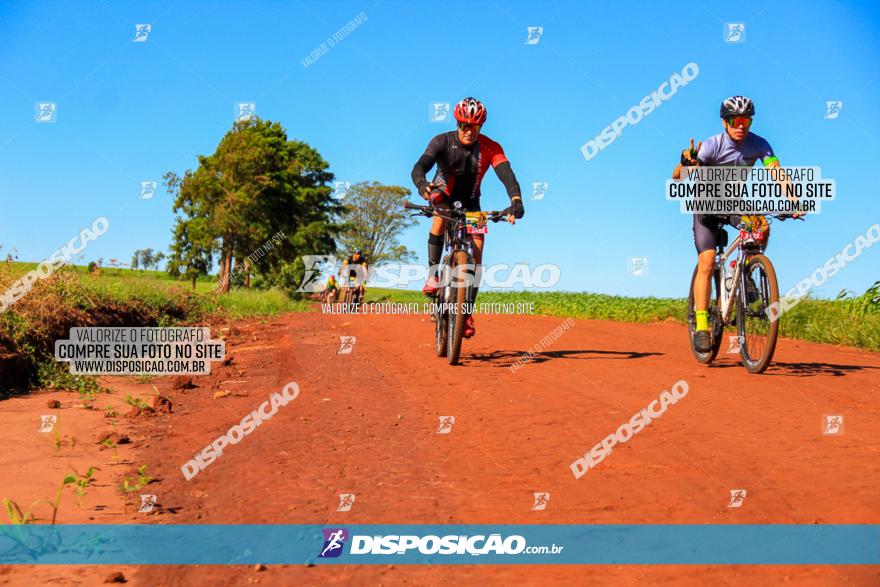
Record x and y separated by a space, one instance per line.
261 202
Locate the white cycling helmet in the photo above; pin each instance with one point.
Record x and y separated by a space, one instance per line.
737 106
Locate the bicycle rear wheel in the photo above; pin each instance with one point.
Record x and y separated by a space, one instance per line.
716 326
456 315
758 291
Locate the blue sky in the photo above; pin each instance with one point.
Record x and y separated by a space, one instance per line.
129 112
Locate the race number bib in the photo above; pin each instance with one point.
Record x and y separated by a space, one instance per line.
476 222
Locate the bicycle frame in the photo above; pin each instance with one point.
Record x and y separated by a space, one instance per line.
738 277
457 239
728 296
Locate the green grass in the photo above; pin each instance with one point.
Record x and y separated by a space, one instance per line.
122 297
243 303
566 304
851 321
73 297
113 275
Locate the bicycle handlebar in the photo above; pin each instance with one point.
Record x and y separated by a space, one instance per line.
493 215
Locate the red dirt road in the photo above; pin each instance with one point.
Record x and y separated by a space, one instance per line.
366 423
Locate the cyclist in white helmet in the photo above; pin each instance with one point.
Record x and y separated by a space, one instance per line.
738 146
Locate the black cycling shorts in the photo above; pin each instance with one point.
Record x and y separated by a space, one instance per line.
709 231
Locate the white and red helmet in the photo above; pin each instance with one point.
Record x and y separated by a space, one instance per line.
470 111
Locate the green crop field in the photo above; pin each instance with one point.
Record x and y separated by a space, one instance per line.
123 297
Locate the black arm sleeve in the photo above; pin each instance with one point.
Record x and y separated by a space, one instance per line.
505 174
425 163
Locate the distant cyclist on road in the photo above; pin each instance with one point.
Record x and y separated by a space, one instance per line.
331 289
349 271
462 158
736 146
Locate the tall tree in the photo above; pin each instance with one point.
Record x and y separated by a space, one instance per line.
191 250
147 258
373 219
254 185
158 258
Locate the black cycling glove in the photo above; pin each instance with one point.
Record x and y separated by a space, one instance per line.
516 208
689 162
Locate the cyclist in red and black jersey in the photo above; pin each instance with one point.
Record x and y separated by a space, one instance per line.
462 158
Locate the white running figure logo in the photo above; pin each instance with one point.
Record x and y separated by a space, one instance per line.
335 542
833 424
446 423
541 500
737 496
47 423
346 501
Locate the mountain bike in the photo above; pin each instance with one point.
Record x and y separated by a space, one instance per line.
330 296
351 295
449 307
740 295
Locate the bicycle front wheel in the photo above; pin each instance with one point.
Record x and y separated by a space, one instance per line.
458 297
758 292
440 333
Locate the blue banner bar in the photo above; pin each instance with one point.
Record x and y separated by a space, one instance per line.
440 544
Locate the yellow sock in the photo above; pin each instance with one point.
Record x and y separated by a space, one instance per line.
702 320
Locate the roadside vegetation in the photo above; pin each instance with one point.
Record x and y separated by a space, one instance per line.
851 320
124 297
74 297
